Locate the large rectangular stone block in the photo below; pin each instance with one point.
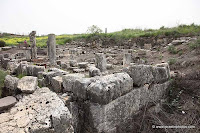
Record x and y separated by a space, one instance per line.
107 88
147 74
104 118
69 81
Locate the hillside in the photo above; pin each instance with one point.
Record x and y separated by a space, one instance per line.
126 34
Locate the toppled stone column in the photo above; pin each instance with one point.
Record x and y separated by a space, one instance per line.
126 59
51 44
101 62
33 45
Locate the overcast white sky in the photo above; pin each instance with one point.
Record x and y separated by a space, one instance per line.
75 16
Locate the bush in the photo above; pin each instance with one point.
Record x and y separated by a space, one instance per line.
195 44
2 43
172 61
172 50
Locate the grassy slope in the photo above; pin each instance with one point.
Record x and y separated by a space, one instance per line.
124 34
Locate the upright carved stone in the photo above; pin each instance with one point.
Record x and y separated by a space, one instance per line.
126 59
51 44
33 45
101 62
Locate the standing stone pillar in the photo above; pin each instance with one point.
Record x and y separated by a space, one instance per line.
51 44
101 62
33 45
127 59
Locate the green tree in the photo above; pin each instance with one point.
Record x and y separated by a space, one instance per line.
94 30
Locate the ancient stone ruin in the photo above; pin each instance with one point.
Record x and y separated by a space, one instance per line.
95 94
33 45
51 44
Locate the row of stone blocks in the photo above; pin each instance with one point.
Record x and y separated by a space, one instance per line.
104 103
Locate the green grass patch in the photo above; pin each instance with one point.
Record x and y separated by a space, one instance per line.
20 76
195 45
2 77
172 49
41 41
172 61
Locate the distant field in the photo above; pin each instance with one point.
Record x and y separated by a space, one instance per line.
124 34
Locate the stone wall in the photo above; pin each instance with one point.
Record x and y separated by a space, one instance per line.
107 102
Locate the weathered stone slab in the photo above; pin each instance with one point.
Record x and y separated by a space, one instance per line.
80 87
69 81
102 118
57 84
107 88
27 84
40 112
77 70
22 68
32 70
127 59
6 48
147 74
93 71
5 62
10 83
7 102
12 66
61 72
105 118
73 63
83 65
6 55
101 62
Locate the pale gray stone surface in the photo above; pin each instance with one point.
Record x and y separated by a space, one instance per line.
40 112
93 71
69 81
27 84
7 102
22 68
83 65
10 83
80 87
147 74
12 66
33 45
101 63
127 59
107 88
32 70
104 118
57 84
5 62
51 44
73 63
